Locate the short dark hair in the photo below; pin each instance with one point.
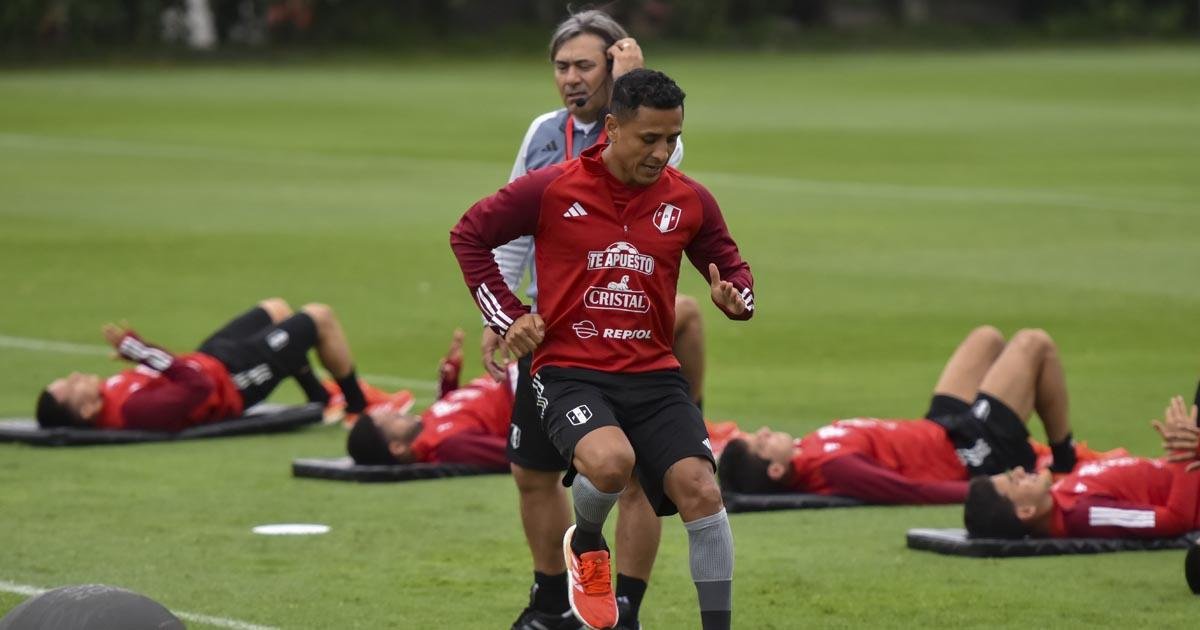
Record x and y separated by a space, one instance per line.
642 87
739 470
989 514
367 445
52 413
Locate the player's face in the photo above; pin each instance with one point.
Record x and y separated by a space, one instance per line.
640 147
401 428
773 446
581 71
1022 488
78 392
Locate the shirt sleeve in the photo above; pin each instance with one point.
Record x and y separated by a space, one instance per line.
493 221
858 477
714 244
472 448
1104 517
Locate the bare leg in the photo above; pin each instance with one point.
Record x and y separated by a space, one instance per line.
1029 375
545 515
638 533
332 348
689 344
971 360
277 308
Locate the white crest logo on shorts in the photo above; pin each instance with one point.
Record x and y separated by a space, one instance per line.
579 415
982 409
277 339
514 437
666 218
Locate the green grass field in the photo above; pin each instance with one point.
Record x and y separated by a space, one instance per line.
887 204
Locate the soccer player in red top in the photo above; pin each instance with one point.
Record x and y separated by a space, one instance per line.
1128 497
610 229
927 460
235 368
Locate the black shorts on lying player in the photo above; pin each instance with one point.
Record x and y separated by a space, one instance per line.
654 409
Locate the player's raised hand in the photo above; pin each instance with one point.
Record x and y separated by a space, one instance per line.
724 294
525 334
489 345
626 55
113 334
1180 435
451 364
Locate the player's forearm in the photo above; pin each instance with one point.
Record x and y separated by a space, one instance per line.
855 476
1184 500
167 408
134 348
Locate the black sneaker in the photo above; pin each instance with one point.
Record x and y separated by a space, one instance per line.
623 612
531 619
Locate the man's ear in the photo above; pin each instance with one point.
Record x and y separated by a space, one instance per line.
90 410
400 450
1026 512
776 471
611 127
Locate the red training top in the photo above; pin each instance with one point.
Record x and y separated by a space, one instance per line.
1127 497
607 257
165 392
880 461
468 425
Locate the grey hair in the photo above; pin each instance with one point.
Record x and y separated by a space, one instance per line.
592 21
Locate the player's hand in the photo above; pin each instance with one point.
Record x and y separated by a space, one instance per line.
113 334
489 345
1180 435
724 294
451 364
626 56
525 334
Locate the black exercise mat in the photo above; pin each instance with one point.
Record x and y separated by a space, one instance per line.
267 418
344 469
738 502
954 542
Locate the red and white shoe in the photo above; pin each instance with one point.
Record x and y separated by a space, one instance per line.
589 586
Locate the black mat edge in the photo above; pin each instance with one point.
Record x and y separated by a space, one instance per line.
343 469
953 542
738 502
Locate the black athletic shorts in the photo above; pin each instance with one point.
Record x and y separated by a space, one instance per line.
988 436
528 446
652 408
259 354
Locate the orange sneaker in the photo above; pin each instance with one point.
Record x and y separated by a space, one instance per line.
589 586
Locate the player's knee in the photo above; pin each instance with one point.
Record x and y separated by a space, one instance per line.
607 466
530 481
988 336
277 308
322 314
687 311
1034 341
701 497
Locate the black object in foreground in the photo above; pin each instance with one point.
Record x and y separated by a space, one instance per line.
738 502
259 419
1191 568
90 607
344 469
954 542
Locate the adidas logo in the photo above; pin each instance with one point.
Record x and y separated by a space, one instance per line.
575 210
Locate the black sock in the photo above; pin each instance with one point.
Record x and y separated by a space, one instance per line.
355 401
549 593
311 386
583 542
715 619
631 590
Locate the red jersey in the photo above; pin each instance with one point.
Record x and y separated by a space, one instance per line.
880 461
1127 497
607 258
166 393
483 408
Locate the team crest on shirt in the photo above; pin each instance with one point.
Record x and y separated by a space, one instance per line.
666 218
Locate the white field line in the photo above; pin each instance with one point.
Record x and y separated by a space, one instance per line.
782 184
220 622
49 345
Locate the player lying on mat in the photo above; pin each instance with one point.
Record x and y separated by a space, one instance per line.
1127 497
235 368
927 460
471 424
